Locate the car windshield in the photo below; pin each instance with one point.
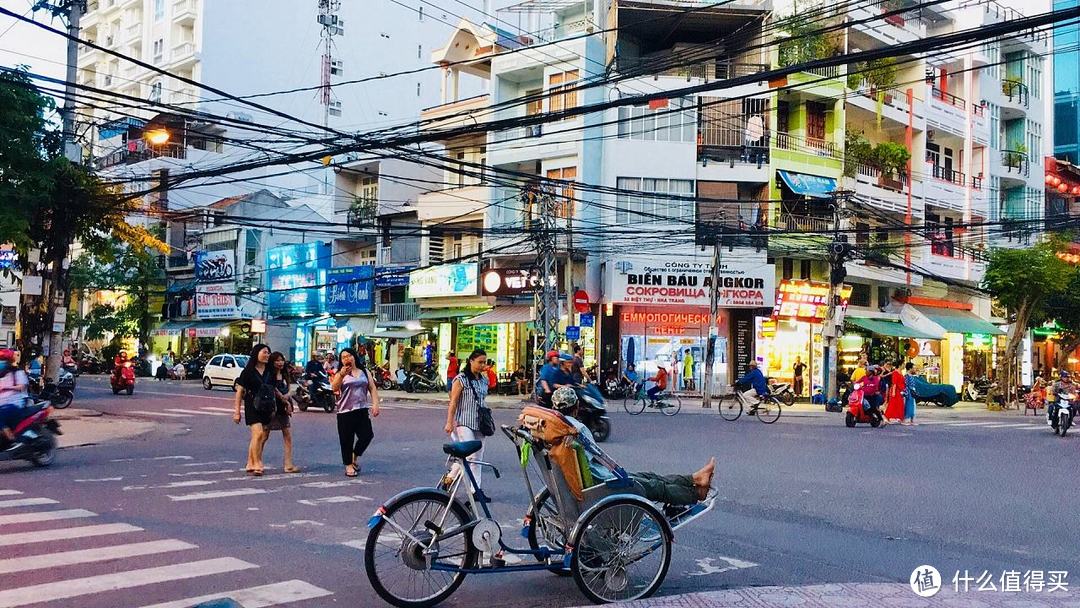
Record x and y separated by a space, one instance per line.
242 360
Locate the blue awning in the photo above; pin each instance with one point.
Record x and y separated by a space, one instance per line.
809 185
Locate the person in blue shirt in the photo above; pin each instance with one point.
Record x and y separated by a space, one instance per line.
555 376
759 386
630 376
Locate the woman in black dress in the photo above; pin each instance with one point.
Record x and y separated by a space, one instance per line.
281 420
248 386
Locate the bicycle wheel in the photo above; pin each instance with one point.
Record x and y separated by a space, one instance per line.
396 557
768 411
670 405
633 405
544 529
730 407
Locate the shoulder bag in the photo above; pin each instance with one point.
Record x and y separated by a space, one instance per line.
485 423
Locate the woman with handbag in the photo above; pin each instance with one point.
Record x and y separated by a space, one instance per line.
256 395
468 418
357 404
281 420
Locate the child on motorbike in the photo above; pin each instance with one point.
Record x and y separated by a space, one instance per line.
13 383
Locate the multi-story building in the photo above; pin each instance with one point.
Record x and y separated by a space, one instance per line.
1067 88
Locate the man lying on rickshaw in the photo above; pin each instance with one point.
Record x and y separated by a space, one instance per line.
675 490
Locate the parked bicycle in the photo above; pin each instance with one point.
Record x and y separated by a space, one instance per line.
667 402
731 406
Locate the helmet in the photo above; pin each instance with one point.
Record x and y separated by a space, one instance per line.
6 354
1064 374
551 354
564 398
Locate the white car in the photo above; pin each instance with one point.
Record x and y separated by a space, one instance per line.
223 370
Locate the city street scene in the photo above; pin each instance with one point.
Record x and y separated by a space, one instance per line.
470 303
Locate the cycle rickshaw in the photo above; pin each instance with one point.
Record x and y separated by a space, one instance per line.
612 541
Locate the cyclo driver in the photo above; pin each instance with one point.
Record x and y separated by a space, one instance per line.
677 490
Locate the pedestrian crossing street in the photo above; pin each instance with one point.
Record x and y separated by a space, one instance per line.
176 413
1033 423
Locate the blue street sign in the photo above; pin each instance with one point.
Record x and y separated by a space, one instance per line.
573 332
587 320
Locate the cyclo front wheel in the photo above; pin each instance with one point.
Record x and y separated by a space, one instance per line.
397 564
544 531
622 551
730 407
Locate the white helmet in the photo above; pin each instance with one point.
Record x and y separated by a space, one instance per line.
564 398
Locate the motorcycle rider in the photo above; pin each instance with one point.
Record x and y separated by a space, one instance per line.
1063 386
13 384
553 377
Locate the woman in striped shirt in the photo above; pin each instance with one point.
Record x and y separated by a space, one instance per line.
467 395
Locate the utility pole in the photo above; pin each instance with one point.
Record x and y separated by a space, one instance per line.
569 270
541 217
839 252
714 331
332 25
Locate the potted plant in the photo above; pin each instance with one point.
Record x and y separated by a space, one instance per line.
1016 156
892 159
362 212
857 151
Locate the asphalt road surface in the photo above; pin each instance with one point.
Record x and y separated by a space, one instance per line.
170 518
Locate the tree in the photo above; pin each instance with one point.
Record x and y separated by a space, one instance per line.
1025 281
1064 308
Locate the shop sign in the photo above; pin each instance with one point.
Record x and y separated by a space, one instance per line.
258 326
350 290
663 321
446 280
742 327
216 301
510 282
393 276
805 301
295 274
978 341
7 258
215 266
163 332
573 332
586 320
686 282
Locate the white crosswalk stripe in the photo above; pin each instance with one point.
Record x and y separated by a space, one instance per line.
66 589
25 518
161 414
257 597
227 410
196 412
10 493
216 494
41 536
86 556
26 502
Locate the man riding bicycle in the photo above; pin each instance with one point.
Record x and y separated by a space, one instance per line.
660 380
759 386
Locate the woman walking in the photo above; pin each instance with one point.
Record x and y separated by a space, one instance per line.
467 396
897 391
250 395
909 395
357 404
281 420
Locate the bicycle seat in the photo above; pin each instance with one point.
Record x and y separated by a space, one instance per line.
462 449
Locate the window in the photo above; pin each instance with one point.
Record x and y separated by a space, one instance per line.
418 89
995 126
251 247
815 120
884 297
535 105
216 360
419 51
159 50
1034 142
675 121
804 270
159 10
564 194
789 269
642 208
560 98
155 92
860 295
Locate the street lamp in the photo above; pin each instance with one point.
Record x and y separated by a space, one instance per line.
156 137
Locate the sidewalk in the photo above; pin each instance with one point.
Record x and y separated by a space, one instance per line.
853 594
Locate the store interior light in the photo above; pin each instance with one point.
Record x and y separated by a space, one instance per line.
413 326
225 332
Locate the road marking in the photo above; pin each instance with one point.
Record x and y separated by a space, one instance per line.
356 544
59 590
198 412
159 414
187 395
707 566
227 410
87 556
191 483
27 502
26 518
100 479
202 464
332 500
326 485
1007 426
10 493
19 538
257 597
154 458
190 473
961 424
217 494
1037 427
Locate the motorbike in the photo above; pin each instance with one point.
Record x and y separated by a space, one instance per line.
592 412
35 436
123 378
194 366
977 389
314 390
857 412
383 379
90 364
143 368
1060 414
422 381
782 391
60 393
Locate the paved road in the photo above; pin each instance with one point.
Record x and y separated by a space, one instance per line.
170 516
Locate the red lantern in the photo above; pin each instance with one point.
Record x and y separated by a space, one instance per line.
1076 190
1049 178
1055 181
1063 188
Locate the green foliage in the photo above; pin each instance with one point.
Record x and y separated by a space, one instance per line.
805 40
1023 280
857 151
878 73
892 158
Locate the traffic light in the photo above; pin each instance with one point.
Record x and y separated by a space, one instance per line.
839 252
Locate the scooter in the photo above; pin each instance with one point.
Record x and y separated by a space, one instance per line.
857 412
782 391
123 379
315 392
426 380
977 389
1060 414
35 436
616 387
383 379
60 394
592 412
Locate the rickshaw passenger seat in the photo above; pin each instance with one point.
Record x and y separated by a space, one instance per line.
462 449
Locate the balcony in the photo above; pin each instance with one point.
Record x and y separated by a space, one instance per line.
139 152
1015 165
894 104
519 133
184 12
950 262
944 187
807 151
726 154
179 262
889 193
183 55
890 30
454 114
397 314
1015 99
947 111
706 71
980 127
132 33
805 223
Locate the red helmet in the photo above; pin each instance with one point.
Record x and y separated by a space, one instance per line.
552 354
6 354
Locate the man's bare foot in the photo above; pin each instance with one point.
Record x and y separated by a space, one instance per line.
703 479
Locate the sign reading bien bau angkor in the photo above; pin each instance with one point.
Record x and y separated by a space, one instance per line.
687 281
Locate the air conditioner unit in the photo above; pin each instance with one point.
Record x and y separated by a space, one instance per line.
337 67
327 20
335 108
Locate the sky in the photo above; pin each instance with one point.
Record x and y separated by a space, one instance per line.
22 43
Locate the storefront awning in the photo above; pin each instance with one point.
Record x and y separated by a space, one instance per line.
959 321
518 313
171 328
399 334
888 328
808 185
448 313
313 321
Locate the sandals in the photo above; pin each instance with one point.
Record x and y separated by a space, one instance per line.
291 469
351 472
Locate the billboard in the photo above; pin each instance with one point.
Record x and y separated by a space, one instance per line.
216 301
350 290
446 280
682 281
215 266
295 275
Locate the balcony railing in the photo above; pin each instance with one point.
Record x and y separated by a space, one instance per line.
976 182
397 313
896 183
946 174
832 71
1015 92
140 152
805 223
808 145
519 133
708 70
1015 161
949 98
179 261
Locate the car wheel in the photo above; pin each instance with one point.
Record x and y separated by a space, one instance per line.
206 383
